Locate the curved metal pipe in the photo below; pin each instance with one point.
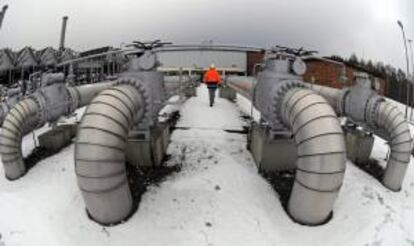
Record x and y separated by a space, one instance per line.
392 121
29 114
20 120
100 153
321 155
386 121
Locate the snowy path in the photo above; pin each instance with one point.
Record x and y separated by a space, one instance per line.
217 199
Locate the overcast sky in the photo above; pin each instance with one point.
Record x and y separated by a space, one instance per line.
366 27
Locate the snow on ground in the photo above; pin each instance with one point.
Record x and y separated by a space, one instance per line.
217 199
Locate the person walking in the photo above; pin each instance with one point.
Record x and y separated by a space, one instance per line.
212 80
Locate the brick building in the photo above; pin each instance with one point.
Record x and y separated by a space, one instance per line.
328 72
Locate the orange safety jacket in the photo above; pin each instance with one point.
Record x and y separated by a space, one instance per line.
212 77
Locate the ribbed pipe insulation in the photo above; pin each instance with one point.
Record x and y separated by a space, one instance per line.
100 153
20 120
321 155
391 120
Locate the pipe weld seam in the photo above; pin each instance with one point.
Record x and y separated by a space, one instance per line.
120 137
13 124
306 108
108 175
115 187
102 145
123 93
321 173
399 143
25 107
336 189
312 120
93 161
6 137
400 134
396 127
317 136
11 161
390 123
112 106
291 107
22 124
401 152
400 161
9 153
125 128
131 113
21 117
9 145
389 113
9 130
321 153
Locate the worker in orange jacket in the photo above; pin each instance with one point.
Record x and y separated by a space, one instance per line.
212 80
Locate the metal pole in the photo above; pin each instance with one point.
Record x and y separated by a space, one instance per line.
2 14
412 74
63 33
408 66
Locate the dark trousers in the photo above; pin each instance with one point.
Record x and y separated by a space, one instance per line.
212 92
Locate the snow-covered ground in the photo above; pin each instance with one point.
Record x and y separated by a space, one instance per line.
217 199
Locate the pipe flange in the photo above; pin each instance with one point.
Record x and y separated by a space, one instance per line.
41 104
144 115
279 95
372 110
340 103
73 97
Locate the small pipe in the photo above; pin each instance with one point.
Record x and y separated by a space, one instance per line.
63 33
2 14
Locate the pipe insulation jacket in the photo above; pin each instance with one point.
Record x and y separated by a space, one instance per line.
100 152
321 155
391 120
20 120
44 106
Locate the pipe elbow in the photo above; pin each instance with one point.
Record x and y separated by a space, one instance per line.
20 120
397 132
321 155
100 153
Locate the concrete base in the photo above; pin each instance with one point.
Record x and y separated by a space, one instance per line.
359 145
147 149
272 152
58 137
227 93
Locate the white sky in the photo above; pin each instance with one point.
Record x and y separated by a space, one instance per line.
366 27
